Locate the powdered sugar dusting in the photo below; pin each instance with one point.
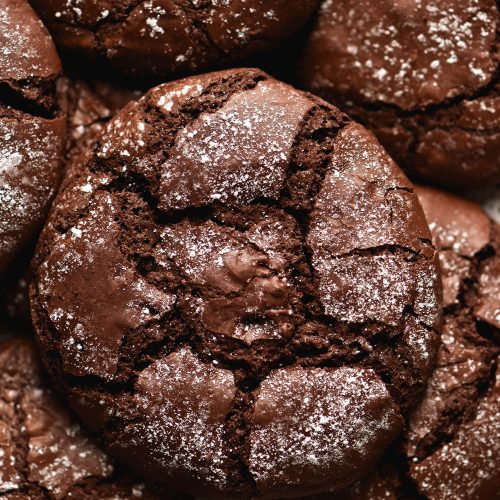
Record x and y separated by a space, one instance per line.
422 343
237 153
89 253
234 24
59 454
10 479
185 403
365 203
221 259
406 53
162 38
382 284
124 136
488 305
453 448
364 200
10 161
318 422
242 270
26 49
474 451
210 254
169 100
28 176
427 301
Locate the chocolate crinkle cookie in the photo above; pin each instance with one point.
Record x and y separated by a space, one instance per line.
160 38
423 75
44 453
32 127
451 449
237 290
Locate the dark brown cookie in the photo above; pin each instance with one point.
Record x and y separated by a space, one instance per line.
452 444
236 288
161 38
424 76
44 453
32 127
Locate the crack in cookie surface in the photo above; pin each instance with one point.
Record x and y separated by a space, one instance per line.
154 39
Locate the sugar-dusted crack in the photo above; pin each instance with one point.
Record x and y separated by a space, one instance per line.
481 91
456 414
198 14
212 98
35 97
191 13
301 216
117 18
114 18
238 440
462 401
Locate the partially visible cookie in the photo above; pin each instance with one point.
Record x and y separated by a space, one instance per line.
424 76
44 454
32 127
162 38
452 445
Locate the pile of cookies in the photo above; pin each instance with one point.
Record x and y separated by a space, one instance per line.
218 281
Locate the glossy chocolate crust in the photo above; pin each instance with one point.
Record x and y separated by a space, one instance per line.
451 448
44 453
162 38
199 281
424 76
32 127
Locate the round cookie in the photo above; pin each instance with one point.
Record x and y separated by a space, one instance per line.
451 448
44 453
161 38
32 127
424 76
199 281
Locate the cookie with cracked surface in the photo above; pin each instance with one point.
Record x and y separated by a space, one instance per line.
32 127
44 453
424 76
452 445
199 282
162 38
